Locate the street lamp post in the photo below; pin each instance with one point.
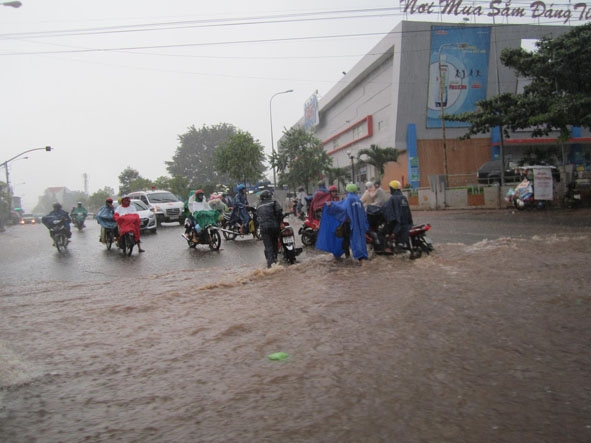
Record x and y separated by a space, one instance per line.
5 164
352 158
272 142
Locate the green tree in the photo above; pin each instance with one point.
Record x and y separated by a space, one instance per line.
558 96
241 158
339 175
179 186
301 158
97 199
195 157
377 157
130 180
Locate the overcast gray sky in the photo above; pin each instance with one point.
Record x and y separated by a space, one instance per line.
113 83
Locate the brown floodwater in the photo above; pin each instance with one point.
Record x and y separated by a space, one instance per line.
488 342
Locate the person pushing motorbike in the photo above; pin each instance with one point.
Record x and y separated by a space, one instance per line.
398 215
270 215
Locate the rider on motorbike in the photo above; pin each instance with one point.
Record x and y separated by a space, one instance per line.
58 214
270 215
196 202
240 210
79 214
126 214
104 217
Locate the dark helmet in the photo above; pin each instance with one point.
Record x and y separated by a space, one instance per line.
57 206
300 188
266 195
109 200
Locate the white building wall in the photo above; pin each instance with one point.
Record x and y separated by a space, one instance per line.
391 85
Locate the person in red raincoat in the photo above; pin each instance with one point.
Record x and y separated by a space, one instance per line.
128 220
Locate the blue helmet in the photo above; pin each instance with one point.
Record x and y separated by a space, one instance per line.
241 187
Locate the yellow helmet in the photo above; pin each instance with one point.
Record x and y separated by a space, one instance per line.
395 184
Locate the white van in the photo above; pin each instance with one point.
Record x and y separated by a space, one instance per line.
167 207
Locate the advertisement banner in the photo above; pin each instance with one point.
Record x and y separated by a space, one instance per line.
458 72
311 117
543 184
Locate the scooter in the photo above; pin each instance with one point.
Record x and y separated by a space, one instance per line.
78 221
309 231
286 240
58 232
418 241
208 235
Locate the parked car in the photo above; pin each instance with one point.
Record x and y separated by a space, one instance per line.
166 206
148 221
28 219
490 172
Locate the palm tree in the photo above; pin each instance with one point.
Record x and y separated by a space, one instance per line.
378 157
340 175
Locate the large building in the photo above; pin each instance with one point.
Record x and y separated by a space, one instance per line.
394 97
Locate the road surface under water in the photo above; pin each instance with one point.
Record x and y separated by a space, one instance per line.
486 341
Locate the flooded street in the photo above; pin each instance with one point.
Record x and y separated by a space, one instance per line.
486 340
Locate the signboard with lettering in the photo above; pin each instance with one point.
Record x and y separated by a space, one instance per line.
536 10
458 72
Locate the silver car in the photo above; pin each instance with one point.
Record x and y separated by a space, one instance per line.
147 217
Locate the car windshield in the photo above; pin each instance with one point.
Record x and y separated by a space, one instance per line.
162 197
139 205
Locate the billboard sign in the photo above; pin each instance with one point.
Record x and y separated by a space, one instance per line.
311 117
458 72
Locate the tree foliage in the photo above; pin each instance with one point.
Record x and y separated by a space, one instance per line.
558 96
377 157
301 158
130 180
339 175
241 158
179 186
195 157
97 199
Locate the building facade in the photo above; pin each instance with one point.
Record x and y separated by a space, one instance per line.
397 94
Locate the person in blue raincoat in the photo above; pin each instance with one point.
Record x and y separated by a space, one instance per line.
240 209
349 213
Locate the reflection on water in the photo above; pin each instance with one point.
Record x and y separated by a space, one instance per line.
488 342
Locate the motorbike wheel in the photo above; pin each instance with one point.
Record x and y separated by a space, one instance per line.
214 240
257 233
127 243
109 239
61 242
290 256
519 205
308 238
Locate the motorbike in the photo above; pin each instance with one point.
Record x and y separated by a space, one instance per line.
572 197
78 221
58 232
418 241
309 231
126 241
286 242
206 235
232 230
111 235
522 197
